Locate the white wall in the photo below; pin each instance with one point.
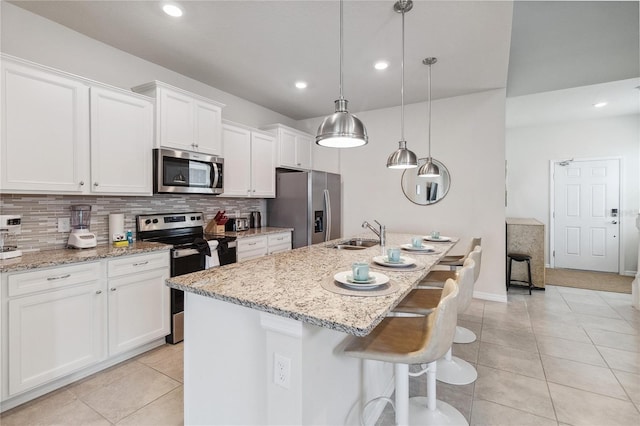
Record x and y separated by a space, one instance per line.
31 37
468 136
529 149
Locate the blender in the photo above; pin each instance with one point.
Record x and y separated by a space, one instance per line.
80 237
10 225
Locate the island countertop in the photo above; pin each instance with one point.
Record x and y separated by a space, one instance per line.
288 284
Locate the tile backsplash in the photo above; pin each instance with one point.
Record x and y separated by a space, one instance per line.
40 213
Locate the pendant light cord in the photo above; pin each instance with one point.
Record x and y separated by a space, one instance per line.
402 85
429 108
341 54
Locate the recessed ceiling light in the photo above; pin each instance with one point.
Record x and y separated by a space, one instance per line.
301 84
172 10
381 65
599 104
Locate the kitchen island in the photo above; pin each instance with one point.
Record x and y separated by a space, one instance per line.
261 337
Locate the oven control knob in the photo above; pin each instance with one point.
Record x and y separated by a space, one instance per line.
155 220
198 218
148 221
193 218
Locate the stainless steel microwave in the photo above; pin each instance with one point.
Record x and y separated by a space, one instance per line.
187 172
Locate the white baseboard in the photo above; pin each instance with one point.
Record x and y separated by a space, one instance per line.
490 296
630 273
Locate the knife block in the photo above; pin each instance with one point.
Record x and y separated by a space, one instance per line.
214 228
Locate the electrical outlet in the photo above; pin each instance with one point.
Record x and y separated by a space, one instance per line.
64 224
281 370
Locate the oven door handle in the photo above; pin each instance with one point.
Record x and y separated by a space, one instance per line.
216 174
178 253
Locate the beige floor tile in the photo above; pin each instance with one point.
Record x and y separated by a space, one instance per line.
32 411
74 413
168 410
588 298
631 384
621 360
610 324
587 377
167 359
487 413
561 330
128 394
604 311
104 378
467 351
569 349
578 407
511 359
519 339
514 390
611 339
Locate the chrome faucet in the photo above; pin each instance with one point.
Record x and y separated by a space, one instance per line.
381 233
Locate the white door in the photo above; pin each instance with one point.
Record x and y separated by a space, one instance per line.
587 203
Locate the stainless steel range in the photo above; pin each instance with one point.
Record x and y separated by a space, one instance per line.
190 252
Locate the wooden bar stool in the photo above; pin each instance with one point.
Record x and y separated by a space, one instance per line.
456 261
519 257
414 340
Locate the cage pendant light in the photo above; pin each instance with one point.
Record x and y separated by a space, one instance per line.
429 169
341 129
402 158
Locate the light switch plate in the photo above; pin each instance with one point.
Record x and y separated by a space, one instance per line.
64 224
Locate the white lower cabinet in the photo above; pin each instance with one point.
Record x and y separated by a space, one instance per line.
254 247
55 332
61 320
138 305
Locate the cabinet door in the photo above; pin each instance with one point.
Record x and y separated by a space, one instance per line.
208 122
263 168
45 137
237 161
138 309
55 333
121 143
326 159
176 120
287 149
303 151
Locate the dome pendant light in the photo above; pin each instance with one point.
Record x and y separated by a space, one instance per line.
429 169
402 158
341 129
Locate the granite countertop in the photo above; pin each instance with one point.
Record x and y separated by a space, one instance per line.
49 258
254 232
288 284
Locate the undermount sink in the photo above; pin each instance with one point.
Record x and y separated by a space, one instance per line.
356 244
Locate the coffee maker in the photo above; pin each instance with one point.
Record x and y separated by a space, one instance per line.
80 236
10 225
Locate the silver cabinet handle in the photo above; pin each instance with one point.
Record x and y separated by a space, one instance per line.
99 292
61 277
95 184
81 183
254 190
141 263
113 289
252 244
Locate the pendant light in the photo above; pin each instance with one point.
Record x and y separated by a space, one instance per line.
341 129
402 158
429 169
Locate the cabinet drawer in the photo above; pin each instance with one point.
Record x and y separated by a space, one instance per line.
140 263
252 254
251 244
279 248
52 278
278 239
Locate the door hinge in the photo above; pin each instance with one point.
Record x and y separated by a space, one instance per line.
553 215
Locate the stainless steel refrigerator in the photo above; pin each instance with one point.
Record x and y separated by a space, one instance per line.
309 202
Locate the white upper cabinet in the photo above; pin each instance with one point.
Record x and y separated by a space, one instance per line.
121 142
249 167
66 135
326 159
293 147
45 136
185 121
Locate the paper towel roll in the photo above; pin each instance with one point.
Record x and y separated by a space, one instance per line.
116 227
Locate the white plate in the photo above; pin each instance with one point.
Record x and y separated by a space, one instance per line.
379 279
425 247
442 239
404 261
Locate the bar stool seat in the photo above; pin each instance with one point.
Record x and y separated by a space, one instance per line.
414 340
519 257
